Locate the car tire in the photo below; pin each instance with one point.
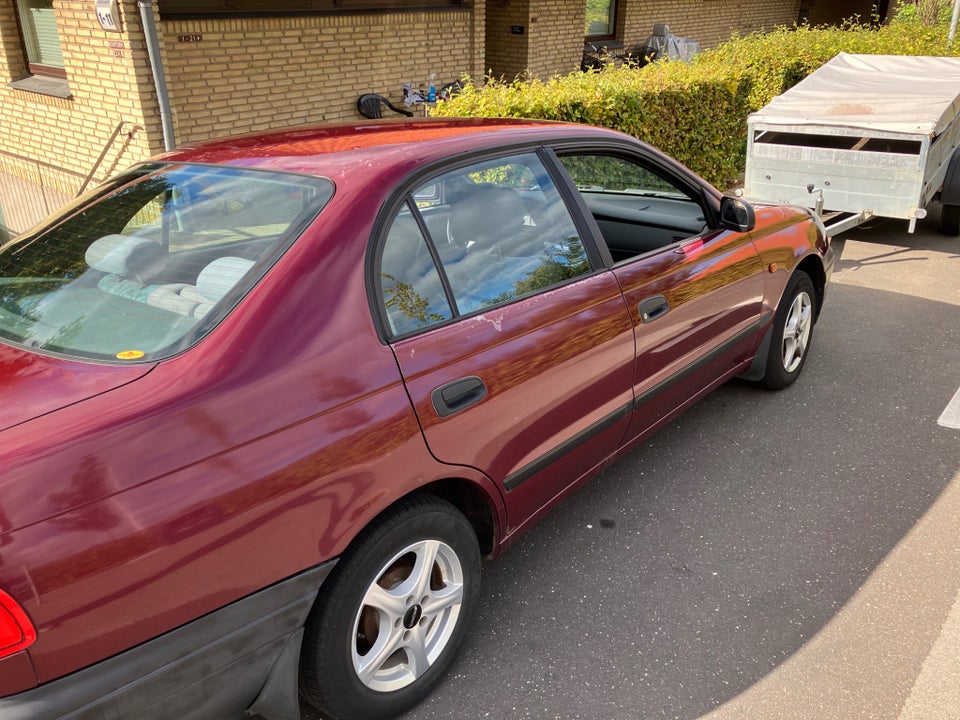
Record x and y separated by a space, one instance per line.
792 333
950 220
360 662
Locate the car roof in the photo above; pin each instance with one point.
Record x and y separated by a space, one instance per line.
330 150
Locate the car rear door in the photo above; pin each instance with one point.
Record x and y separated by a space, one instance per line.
694 292
516 349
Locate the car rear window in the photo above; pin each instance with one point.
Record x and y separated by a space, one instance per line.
150 262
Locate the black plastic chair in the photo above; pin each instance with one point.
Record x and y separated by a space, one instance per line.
369 106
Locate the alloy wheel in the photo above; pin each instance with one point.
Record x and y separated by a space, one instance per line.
796 331
407 615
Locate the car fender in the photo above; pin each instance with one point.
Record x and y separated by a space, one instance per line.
787 238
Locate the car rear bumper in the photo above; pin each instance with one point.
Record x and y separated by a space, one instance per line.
214 667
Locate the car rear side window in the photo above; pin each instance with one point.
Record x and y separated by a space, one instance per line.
500 231
507 234
147 265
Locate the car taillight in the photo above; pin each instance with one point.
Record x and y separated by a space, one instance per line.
16 630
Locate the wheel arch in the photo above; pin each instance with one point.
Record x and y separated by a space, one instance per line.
812 265
950 192
328 679
471 498
474 503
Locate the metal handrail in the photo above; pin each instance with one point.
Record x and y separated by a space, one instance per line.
106 148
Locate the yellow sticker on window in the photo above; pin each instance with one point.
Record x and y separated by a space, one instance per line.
130 355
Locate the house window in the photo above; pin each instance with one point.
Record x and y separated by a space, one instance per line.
601 21
41 41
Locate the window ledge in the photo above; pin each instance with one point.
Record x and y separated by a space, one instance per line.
54 87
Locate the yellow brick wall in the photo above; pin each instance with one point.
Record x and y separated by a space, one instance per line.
832 12
107 84
252 74
553 41
709 22
556 37
507 53
12 62
243 75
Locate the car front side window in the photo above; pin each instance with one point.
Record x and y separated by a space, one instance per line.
637 209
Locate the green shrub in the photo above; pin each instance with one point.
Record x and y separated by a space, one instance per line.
778 60
698 112
929 12
692 112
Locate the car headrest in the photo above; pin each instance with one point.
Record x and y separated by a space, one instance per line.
486 215
219 277
122 254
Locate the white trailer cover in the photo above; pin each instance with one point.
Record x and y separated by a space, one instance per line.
873 134
892 93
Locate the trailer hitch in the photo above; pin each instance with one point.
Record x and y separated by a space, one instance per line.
813 189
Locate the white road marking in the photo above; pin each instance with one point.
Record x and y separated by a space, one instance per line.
951 414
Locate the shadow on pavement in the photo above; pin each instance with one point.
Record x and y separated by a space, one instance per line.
885 232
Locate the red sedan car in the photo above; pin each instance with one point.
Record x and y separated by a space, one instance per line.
268 401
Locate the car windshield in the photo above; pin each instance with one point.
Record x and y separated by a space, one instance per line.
150 262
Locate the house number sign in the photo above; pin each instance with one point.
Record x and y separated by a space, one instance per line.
108 14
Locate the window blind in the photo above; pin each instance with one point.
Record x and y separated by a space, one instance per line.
40 33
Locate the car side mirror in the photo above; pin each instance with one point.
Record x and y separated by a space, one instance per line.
736 214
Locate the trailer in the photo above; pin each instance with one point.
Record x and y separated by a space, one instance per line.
863 136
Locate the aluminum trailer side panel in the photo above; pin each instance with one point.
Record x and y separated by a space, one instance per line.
889 184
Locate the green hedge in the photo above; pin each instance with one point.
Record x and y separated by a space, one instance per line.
777 61
698 112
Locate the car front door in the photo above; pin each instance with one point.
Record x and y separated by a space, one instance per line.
694 292
516 347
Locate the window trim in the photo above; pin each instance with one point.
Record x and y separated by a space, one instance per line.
190 10
614 19
39 69
597 254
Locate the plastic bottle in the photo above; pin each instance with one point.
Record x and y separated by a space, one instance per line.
432 89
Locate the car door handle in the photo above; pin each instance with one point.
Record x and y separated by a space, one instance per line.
458 395
653 307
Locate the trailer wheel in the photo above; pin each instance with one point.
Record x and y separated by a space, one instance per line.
950 197
950 220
